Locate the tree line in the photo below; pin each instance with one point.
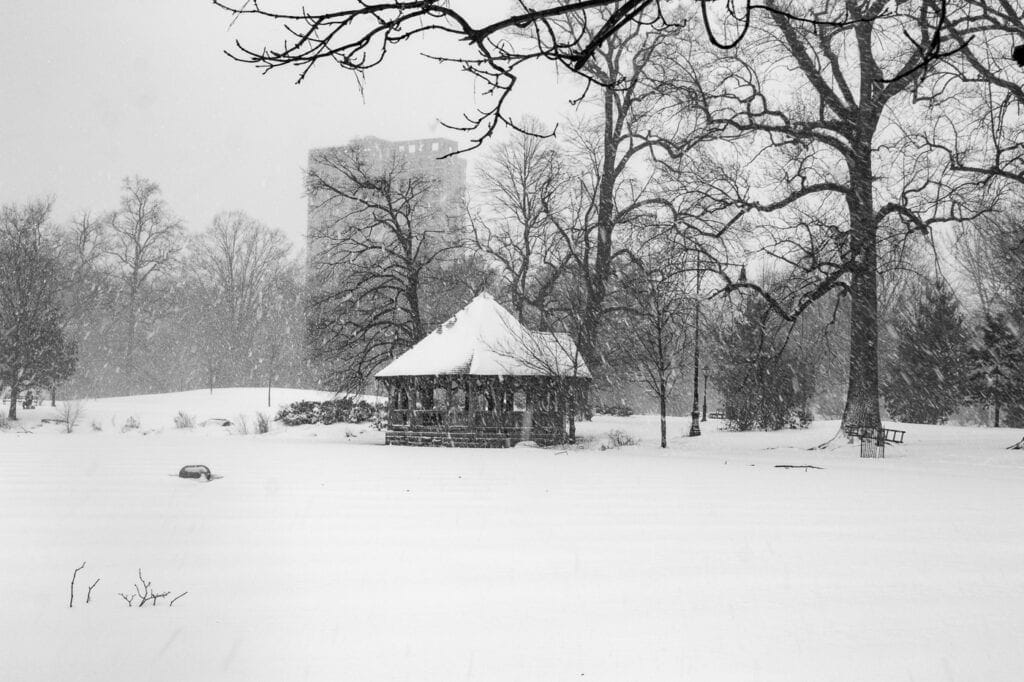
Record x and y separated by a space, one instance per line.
127 301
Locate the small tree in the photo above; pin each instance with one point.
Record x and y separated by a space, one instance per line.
655 329
927 380
995 361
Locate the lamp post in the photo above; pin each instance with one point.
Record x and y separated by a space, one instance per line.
704 410
695 412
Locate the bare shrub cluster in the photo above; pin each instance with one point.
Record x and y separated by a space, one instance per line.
71 412
618 439
145 593
183 420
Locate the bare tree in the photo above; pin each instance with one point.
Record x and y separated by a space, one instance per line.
145 239
832 183
980 90
493 46
236 265
378 238
279 348
88 291
991 258
617 150
659 307
519 182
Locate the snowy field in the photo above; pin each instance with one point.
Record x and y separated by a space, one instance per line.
323 555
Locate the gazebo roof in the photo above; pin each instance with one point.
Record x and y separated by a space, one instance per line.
484 339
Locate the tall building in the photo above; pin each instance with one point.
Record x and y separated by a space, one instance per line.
415 156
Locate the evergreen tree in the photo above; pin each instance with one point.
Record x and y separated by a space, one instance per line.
928 376
33 348
995 365
765 383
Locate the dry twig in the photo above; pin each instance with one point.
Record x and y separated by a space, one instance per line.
73 576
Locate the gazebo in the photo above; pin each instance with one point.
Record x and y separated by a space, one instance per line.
482 379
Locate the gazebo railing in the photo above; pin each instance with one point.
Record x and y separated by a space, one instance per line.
457 418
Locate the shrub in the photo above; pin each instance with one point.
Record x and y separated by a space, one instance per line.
96 426
130 424
614 410
71 412
242 426
262 423
618 439
343 409
184 421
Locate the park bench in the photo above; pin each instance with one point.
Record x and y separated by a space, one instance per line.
873 440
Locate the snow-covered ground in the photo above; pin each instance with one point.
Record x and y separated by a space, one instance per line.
323 555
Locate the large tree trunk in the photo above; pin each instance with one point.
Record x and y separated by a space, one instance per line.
664 410
12 411
597 278
862 396
412 297
862 390
129 353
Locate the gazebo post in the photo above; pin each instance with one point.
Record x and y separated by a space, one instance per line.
528 390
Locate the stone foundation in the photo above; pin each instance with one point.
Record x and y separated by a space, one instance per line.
464 438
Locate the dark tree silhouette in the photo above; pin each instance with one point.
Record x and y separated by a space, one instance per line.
378 239
33 348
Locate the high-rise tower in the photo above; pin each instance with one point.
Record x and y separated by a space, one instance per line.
421 157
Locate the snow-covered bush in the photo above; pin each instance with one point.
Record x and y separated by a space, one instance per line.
130 424
326 412
262 423
618 439
242 425
614 410
183 420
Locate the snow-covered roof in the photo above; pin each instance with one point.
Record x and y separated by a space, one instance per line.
485 339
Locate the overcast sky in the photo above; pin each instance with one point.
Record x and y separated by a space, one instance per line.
93 91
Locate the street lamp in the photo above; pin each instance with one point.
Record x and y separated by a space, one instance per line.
695 412
704 411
